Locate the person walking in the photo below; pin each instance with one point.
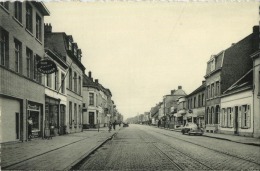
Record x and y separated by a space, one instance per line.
114 125
109 126
30 123
159 123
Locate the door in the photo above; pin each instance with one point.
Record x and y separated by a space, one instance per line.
17 125
91 119
236 120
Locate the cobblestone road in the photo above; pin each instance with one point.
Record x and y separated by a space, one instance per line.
147 148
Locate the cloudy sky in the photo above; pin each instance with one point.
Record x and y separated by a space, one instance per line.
142 50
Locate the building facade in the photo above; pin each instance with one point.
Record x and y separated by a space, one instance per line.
64 45
22 46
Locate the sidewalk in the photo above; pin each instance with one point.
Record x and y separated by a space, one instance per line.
58 153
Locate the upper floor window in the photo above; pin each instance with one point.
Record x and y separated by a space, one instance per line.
208 94
80 85
18 10
4 48
199 101
18 56
212 90
75 50
5 4
91 99
202 99
212 65
75 82
29 17
191 103
62 83
38 27
194 102
29 63
70 79
56 80
49 80
79 54
217 88
70 45
37 74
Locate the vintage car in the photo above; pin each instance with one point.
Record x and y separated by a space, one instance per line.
192 129
125 124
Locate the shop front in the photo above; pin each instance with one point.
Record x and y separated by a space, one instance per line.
52 118
34 110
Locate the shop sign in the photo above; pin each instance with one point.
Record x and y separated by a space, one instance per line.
34 107
46 66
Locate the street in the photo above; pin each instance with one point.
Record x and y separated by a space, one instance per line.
140 147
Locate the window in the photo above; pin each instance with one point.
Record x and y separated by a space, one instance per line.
62 83
212 90
18 10
79 115
79 85
194 105
217 88
37 74
91 98
70 79
259 83
191 103
223 117
199 101
18 56
208 88
202 99
5 4
29 18
38 27
56 80
188 104
212 65
48 80
96 100
70 45
70 113
75 114
228 116
75 49
208 116
29 63
217 118
4 49
75 82
245 116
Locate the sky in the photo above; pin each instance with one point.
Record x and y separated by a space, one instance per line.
143 50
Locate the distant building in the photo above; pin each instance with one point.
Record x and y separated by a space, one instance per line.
22 86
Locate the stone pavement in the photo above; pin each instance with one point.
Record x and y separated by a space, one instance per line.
58 153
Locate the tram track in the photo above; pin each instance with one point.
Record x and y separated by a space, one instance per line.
218 151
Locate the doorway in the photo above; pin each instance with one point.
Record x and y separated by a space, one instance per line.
91 119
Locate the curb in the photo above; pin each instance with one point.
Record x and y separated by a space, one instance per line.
86 155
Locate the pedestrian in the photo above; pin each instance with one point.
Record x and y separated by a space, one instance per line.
30 124
119 124
114 125
109 126
159 123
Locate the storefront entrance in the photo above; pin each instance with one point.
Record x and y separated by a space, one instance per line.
34 111
91 119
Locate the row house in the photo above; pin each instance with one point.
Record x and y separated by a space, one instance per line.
22 86
155 114
223 70
196 106
68 51
98 107
180 106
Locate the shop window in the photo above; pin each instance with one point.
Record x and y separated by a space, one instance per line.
18 56
29 17
38 27
18 10
4 47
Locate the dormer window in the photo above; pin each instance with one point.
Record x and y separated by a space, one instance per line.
70 40
212 65
79 54
75 49
70 45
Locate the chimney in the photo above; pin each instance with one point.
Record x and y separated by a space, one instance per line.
47 28
203 82
96 80
256 29
89 74
172 92
179 87
233 44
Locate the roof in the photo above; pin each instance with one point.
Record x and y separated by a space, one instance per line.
198 90
244 83
179 92
41 7
88 82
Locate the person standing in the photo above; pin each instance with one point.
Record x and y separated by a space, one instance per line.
30 123
114 125
109 126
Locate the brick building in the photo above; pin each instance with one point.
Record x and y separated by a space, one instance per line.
63 45
22 86
223 70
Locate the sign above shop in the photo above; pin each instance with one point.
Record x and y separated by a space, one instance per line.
46 66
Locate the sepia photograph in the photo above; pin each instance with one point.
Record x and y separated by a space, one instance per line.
130 85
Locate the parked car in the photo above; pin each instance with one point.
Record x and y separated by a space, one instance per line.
125 124
192 128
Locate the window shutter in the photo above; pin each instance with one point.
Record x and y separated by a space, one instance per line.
239 117
223 116
232 117
248 115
